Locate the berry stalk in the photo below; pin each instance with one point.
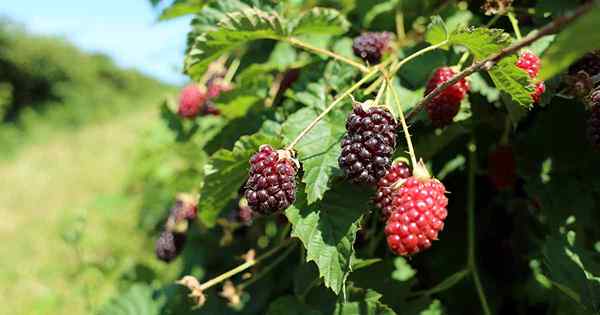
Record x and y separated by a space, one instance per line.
411 150
348 92
296 42
515 25
490 61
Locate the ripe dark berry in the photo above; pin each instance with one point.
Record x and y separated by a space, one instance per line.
502 167
386 186
370 46
529 62
589 63
368 145
169 245
442 109
191 101
593 126
271 186
418 216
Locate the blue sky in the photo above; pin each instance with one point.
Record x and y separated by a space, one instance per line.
126 30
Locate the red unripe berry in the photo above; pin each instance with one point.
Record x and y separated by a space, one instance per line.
529 62
387 185
418 215
191 101
442 109
540 88
502 167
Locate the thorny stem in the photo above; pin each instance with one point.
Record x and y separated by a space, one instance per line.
307 46
379 94
268 268
490 61
411 150
471 262
226 275
515 25
349 91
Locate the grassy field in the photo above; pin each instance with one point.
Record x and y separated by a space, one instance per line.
68 232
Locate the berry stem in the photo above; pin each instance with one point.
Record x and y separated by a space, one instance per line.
296 42
379 94
348 92
267 268
471 262
515 24
226 275
400 32
235 64
411 150
489 62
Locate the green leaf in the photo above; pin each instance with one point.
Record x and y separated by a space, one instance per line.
233 31
446 283
226 172
378 9
571 43
318 150
437 31
403 271
182 7
208 19
435 308
320 21
289 305
137 300
328 230
363 302
359 263
482 42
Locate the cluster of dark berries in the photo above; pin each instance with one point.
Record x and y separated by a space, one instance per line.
530 62
172 240
195 100
502 167
369 143
271 186
589 63
371 46
593 123
443 108
580 77
414 206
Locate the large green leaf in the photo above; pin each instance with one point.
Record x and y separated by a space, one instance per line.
137 300
436 31
320 21
182 7
318 150
328 229
580 37
236 29
363 302
226 172
507 77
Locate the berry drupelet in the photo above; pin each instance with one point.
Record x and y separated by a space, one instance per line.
368 145
387 185
271 186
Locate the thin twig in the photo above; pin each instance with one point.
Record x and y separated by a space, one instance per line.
490 61
267 268
411 150
296 42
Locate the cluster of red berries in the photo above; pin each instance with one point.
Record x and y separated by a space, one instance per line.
172 239
443 108
195 100
530 62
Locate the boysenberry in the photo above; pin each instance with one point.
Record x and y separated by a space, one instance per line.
368 145
589 63
442 109
419 211
388 184
593 126
191 101
370 46
271 186
169 245
502 167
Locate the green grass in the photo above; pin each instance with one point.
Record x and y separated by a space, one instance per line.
68 232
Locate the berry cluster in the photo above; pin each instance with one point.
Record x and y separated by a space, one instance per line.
388 184
371 46
271 186
530 62
418 211
172 240
593 123
368 145
195 100
442 109
589 63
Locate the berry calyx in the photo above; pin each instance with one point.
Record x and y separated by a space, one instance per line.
502 167
191 100
271 186
530 62
370 46
388 184
443 108
369 143
419 211
169 245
